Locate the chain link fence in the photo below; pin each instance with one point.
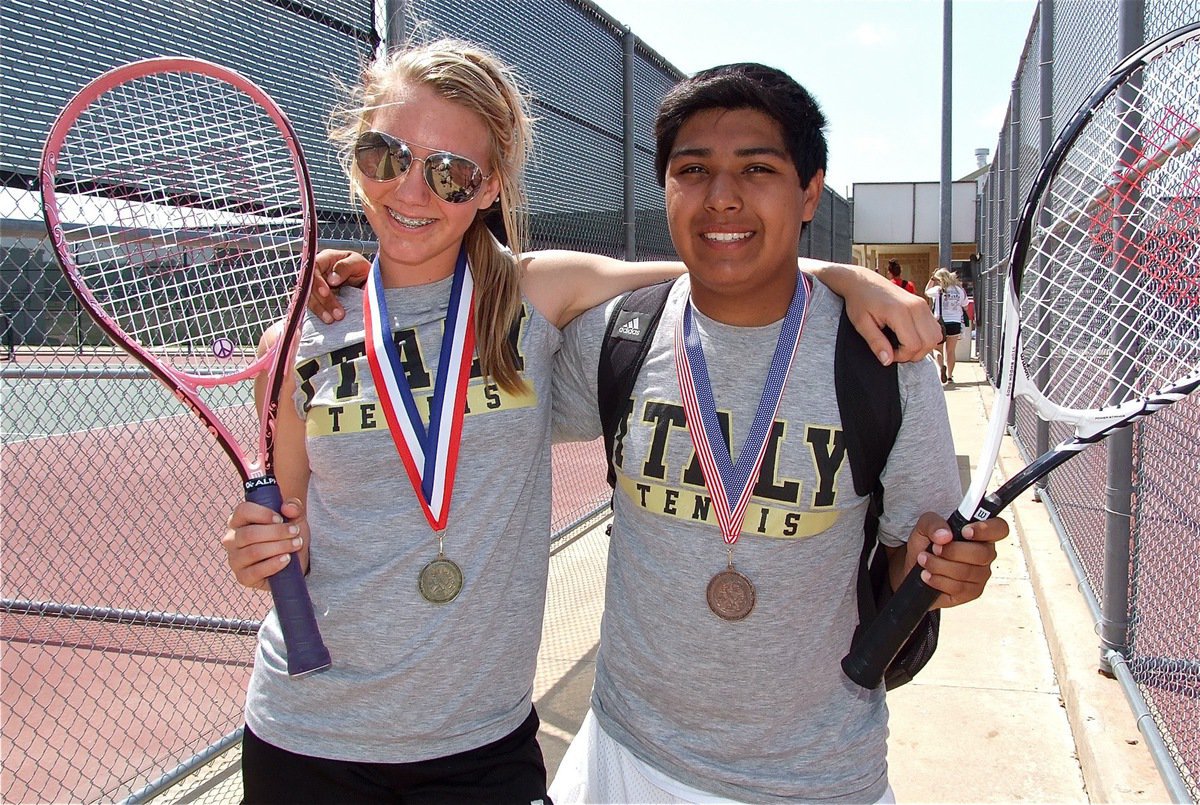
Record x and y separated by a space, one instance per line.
126 644
1141 586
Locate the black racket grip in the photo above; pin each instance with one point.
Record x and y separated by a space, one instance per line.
883 638
306 652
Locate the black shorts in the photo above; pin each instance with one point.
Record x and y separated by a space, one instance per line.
510 770
952 327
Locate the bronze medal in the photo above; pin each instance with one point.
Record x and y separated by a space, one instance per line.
730 595
440 581
731 483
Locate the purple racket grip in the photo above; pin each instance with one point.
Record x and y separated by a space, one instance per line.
306 652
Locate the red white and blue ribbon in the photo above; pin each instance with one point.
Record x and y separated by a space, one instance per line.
430 455
730 484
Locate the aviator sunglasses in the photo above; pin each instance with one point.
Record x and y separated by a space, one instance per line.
383 158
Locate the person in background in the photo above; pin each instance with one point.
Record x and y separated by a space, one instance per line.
948 298
8 337
893 267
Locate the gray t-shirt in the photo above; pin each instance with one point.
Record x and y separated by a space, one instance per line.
756 710
410 679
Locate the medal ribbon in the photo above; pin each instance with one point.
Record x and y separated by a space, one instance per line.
430 456
724 479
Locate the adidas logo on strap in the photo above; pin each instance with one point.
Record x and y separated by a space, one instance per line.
631 328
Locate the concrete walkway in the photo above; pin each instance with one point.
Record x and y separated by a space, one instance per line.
1013 708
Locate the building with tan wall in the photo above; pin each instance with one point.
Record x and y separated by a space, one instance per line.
901 221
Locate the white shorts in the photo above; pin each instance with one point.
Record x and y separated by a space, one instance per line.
597 769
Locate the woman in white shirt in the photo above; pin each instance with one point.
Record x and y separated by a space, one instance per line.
948 298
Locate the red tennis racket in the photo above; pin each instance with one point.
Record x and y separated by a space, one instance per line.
180 209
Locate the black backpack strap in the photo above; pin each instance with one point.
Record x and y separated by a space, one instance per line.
627 339
868 395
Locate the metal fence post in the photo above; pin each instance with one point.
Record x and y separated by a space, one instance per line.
1014 184
946 186
1045 140
1114 605
629 204
394 33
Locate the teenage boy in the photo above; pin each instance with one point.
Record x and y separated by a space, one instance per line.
731 586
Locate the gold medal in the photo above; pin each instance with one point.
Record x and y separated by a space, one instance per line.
730 595
427 451
440 581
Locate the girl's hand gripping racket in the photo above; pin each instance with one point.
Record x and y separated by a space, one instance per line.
1102 301
179 206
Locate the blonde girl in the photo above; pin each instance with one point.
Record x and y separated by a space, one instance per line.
948 298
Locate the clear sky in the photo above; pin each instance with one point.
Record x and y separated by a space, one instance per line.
875 66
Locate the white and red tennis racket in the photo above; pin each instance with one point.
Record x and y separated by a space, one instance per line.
180 209
1102 301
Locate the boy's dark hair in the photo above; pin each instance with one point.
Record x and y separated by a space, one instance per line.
746 86
894 268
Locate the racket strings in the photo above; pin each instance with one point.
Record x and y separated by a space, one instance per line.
183 208
1110 295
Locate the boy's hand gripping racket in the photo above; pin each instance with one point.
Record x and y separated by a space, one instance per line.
1102 301
179 206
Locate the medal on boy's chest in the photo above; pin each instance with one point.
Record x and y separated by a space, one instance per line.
730 593
429 455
